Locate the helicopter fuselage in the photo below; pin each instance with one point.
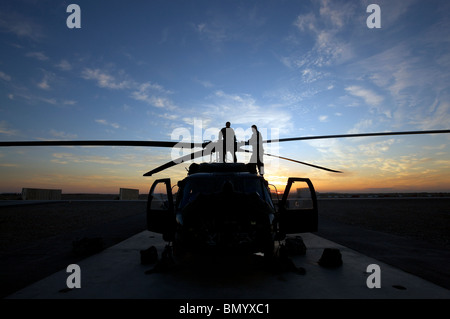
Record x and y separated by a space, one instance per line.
228 208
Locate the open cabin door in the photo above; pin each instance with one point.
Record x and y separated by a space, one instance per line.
160 208
298 211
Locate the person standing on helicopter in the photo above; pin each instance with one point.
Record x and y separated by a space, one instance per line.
229 142
256 141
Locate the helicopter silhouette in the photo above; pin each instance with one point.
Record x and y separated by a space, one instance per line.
225 207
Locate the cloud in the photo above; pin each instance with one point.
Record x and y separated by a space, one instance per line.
105 122
105 80
373 100
244 110
33 98
4 129
168 116
206 84
64 135
437 117
414 75
310 75
323 118
200 27
322 38
411 166
48 77
44 84
214 31
331 14
156 101
64 65
8 165
5 76
336 13
37 55
375 148
20 25
368 96
67 158
69 102
154 95
51 101
240 25
361 126
151 93
307 22
145 87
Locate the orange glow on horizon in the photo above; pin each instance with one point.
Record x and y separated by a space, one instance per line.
108 180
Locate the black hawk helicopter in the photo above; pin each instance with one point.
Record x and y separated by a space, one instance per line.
225 207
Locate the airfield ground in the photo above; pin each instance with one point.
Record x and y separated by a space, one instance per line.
411 234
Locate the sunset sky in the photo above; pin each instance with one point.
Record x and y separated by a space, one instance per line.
167 70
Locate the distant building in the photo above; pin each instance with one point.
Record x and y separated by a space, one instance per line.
41 194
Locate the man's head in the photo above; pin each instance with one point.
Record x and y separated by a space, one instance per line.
254 127
227 124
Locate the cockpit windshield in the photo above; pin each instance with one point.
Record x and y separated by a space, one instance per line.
213 184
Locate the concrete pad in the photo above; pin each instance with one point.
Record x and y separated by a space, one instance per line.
118 273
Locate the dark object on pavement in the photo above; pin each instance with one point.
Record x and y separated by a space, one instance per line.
282 263
331 258
295 246
165 264
149 255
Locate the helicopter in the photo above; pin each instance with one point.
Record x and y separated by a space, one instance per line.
225 207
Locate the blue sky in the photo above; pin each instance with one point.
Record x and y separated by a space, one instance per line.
147 70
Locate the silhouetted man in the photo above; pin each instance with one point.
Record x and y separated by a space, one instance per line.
229 142
256 141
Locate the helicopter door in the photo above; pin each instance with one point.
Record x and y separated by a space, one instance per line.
298 211
160 208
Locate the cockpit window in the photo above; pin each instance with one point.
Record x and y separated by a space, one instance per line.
209 185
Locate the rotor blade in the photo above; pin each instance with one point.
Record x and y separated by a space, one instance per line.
312 165
176 162
103 143
356 135
194 145
295 161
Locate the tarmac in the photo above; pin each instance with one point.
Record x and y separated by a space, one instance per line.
117 273
404 269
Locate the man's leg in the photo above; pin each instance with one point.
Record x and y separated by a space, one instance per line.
260 165
223 153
